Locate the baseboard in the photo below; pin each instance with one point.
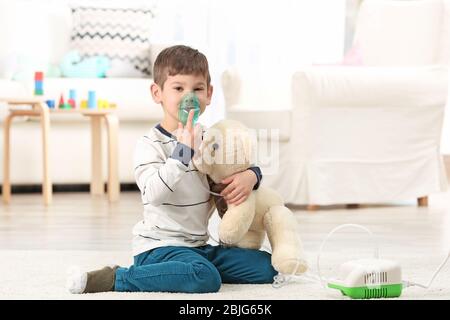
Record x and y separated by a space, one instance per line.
36 188
83 187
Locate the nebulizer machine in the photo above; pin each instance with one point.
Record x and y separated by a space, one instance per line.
362 278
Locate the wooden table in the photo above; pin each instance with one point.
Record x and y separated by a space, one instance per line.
38 108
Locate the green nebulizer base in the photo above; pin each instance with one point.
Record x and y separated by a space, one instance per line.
366 292
368 279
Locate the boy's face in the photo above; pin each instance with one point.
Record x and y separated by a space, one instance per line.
175 87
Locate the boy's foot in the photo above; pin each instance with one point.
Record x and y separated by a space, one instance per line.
94 281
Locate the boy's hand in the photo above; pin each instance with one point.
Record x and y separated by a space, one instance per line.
189 135
240 185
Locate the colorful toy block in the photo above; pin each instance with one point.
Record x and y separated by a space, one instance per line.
39 75
50 104
71 103
73 98
92 102
61 102
39 83
103 104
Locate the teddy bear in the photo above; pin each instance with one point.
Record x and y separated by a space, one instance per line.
226 149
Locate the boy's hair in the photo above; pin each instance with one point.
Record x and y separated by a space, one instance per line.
180 60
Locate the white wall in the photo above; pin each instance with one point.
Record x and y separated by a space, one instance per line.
269 38
265 37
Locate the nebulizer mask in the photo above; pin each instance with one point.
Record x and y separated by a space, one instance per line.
189 102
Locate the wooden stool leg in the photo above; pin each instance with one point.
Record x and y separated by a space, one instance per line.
312 207
422 201
6 160
97 186
112 124
45 127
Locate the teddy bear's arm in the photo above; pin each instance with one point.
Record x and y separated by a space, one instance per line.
237 220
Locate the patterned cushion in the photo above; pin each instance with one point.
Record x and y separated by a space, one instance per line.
121 34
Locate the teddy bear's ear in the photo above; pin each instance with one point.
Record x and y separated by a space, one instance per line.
209 151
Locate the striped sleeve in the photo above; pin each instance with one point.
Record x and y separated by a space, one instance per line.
156 176
258 174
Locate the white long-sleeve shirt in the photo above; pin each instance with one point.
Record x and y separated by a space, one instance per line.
174 194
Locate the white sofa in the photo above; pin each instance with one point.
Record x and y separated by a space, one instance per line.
69 138
361 134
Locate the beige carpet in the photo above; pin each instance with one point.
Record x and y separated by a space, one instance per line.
42 275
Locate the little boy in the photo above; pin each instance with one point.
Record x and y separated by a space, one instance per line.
170 247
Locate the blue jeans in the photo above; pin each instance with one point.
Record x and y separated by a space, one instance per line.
194 270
